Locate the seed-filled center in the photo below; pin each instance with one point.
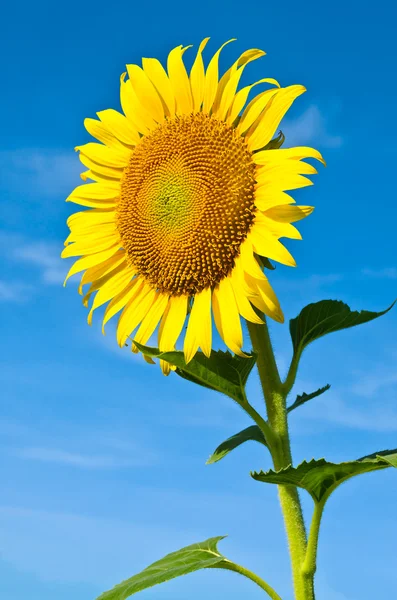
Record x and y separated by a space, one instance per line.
187 203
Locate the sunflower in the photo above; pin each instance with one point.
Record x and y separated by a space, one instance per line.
186 196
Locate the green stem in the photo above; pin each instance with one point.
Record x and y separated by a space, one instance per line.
275 398
238 569
310 563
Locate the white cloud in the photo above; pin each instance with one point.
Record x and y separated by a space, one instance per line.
311 127
44 255
41 254
40 172
385 273
313 282
13 291
85 461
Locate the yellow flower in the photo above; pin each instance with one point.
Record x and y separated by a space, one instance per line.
183 202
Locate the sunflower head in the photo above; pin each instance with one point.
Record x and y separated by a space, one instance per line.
188 192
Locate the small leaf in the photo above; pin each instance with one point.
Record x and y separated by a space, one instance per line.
302 398
323 317
187 560
320 478
221 372
250 433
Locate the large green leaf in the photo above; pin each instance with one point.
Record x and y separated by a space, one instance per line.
323 317
252 433
187 560
302 398
320 478
221 372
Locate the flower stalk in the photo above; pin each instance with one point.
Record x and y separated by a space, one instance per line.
275 395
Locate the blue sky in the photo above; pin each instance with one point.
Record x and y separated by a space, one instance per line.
102 458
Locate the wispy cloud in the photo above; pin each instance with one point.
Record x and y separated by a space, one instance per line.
13 291
313 282
385 273
311 127
85 461
45 256
42 255
39 172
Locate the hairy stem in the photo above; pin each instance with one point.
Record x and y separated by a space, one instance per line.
275 398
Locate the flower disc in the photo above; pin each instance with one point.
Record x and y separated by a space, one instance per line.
187 203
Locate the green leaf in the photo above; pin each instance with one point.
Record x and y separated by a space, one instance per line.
221 372
250 433
187 560
320 478
323 317
302 398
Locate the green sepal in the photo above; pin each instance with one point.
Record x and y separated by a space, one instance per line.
252 433
192 558
274 144
326 316
221 372
302 398
265 262
320 478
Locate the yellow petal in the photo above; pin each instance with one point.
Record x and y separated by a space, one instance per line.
289 214
146 92
261 133
121 300
119 126
97 271
134 312
211 79
226 316
254 109
240 99
91 246
90 217
248 261
266 198
197 78
199 328
109 157
172 323
140 119
276 228
90 261
267 245
243 304
98 169
110 286
266 300
91 232
151 320
299 152
158 76
97 191
243 60
282 168
180 81
99 131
